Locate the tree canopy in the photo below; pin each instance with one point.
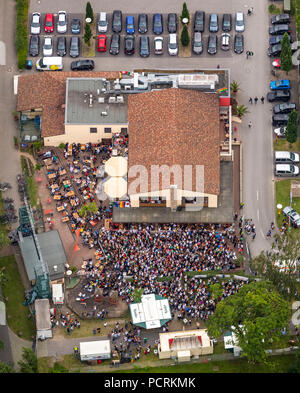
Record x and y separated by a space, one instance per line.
29 363
286 62
6 368
258 314
292 127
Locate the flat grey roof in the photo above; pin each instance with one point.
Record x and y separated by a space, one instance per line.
78 109
42 314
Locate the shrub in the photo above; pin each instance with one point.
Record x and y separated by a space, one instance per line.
21 32
185 39
286 63
87 34
89 11
292 127
185 13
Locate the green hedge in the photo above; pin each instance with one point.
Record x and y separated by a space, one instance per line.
296 6
21 42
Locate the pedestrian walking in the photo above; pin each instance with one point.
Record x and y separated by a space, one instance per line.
218 66
250 124
262 99
247 54
253 236
250 100
255 100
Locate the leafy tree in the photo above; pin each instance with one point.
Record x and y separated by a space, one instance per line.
88 209
295 368
286 62
38 167
87 34
185 13
6 368
185 39
58 369
216 290
285 251
258 314
241 110
29 363
292 127
89 11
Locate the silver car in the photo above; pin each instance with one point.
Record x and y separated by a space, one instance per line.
62 22
158 45
197 44
35 27
48 46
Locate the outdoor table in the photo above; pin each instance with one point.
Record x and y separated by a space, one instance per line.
54 186
57 197
66 182
73 202
70 193
51 175
60 208
65 219
62 172
75 215
48 161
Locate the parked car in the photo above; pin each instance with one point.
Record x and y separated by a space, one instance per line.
225 41
286 157
276 39
102 22
280 132
173 45
280 120
226 22
101 43
62 22
286 170
199 21
144 46
47 46
239 22
114 44
35 26
197 43
275 50
143 23
279 95
117 21
279 29
130 29
213 23
284 108
212 44
158 45
292 215
172 23
82 65
157 24
129 45
49 23
75 26
34 45
280 84
280 18
239 43
61 46
74 46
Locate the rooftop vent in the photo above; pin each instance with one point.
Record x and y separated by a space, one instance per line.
101 100
104 113
111 100
120 99
55 268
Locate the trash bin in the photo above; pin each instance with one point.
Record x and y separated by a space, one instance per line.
28 64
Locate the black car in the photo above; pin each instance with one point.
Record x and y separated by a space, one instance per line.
226 22
283 108
117 21
280 120
144 46
275 50
157 24
129 45
276 39
239 43
61 46
114 44
278 95
74 46
75 26
34 45
199 21
82 65
212 44
172 23
281 18
143 23
279 29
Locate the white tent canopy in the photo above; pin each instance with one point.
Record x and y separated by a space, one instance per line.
115 187
116 166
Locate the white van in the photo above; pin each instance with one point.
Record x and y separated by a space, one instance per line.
102 22
286 157
286 170
49 64
173 45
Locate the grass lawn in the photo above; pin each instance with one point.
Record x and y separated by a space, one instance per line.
13 289
283 197
283 144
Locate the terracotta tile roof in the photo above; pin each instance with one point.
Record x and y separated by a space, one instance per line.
47 90
175 127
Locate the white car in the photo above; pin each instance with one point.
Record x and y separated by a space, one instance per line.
62 22
158 45
48 46
35 27
239 22
102 22
280 132
173 45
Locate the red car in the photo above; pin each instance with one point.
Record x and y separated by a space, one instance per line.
49 23
102 40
